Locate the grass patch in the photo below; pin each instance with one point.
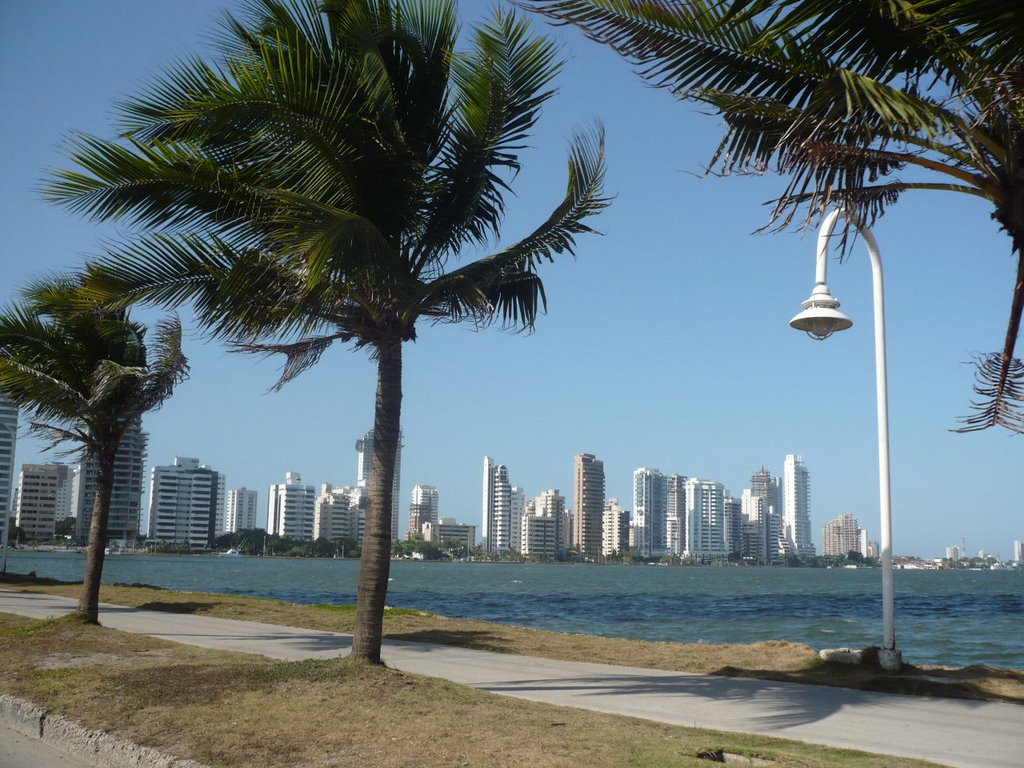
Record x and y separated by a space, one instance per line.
233 710
770 660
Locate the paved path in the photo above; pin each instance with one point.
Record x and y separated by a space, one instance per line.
946 731
20 751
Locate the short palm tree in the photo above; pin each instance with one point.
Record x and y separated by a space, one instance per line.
85 375
841 96
318 185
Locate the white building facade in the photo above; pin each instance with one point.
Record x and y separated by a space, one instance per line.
705 520
8 442
242 506
797 513
291 508
183 502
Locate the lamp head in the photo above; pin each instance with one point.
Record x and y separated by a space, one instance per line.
821 316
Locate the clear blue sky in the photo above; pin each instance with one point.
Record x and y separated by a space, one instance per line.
666 345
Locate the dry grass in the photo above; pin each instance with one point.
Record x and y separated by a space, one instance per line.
772 660
232 710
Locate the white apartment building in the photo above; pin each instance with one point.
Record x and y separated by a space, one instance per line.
337 513
797 513
551 503
43 499
447 530
614 529
650 510
497 507
517 510
539 536
126 499
183 500
291 508
841 535
424 507
242 505
8 442
705 520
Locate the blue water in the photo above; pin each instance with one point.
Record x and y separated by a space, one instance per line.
942 617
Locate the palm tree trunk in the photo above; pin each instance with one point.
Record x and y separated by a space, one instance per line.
88 604
375 563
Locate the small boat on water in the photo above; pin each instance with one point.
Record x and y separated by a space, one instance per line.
232 553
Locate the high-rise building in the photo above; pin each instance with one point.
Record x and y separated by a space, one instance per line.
291 508
125 516
551 503
423 508
614 529
183 500
497 507
675 502
588 515
841 536
364 448
733 509
538 536
517 511
650 511
764 507
705 520
797 515
337 513
8 442
1018 551
241 509
44 498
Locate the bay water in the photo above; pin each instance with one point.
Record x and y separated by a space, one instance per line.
954 618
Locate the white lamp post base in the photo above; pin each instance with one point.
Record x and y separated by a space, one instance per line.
890 659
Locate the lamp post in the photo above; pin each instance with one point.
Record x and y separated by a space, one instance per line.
820 319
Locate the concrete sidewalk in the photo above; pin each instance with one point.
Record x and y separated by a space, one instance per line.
947 731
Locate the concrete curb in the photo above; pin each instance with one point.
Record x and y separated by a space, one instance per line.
98 748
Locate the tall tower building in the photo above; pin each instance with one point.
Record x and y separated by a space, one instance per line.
588 488
291 509
241 510
497 507
8 441
551 503
44 498
501 512
517 511
364 449
423 508
797 515
125 500
675 503
614 529
650 511
766 503
183 503
705 520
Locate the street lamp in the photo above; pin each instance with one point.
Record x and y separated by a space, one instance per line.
820 319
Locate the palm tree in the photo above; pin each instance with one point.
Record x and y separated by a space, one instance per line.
843 95
318 184
85 375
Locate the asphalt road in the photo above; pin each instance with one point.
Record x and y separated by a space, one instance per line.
947 731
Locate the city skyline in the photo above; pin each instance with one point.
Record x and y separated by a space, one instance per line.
679 312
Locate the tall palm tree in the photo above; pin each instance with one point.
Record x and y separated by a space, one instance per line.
318 183
85 375
843 95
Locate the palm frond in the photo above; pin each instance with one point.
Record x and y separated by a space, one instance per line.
505 285
1000 389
